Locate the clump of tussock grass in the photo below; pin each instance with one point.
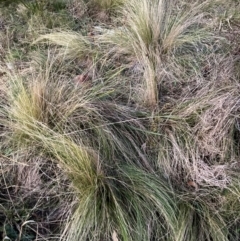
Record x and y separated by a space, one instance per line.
194 213
159 38
163 40
230 207
200 132
105 174
220 209
126 211
85 49
107 201
93 142
199 165
84 112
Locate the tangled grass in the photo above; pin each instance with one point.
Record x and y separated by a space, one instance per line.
122 123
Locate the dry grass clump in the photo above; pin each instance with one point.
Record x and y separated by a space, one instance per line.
162 39
197 150
127 201
85 112
94 142
206 122
195 213
164 43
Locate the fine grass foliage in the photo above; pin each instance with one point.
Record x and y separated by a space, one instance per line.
124 207
119 120
75 45
160 38
95 182
105 5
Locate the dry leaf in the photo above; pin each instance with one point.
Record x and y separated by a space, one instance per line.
114 236
192 184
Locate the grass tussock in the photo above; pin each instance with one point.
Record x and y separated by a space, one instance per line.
162 40
92 178
119 120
